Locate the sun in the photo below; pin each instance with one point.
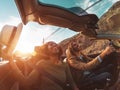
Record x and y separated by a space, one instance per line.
32 35
25 48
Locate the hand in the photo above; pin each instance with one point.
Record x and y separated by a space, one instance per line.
109 50
67 52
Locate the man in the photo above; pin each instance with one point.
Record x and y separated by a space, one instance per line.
73 54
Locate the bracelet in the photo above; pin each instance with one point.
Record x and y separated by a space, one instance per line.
81 57
99 59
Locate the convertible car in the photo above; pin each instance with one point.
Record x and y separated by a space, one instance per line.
47 12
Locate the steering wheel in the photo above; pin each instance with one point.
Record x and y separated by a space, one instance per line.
115 43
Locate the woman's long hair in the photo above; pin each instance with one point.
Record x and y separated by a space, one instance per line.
43 52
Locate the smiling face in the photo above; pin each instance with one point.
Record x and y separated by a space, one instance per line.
53 48
49 49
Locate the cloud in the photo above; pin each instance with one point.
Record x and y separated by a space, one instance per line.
100 8
88 3
1 26
12 20
113 1
33 34
83 4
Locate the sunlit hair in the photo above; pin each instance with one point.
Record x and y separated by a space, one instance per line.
43 51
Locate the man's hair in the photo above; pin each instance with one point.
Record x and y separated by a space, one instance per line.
71 47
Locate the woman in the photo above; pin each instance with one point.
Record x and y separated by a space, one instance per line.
49 61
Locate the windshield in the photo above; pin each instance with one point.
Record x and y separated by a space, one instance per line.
98 7
34 34
82 7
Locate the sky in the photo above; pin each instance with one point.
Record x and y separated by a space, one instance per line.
33 33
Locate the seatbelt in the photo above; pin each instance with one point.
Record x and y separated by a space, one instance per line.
51 77
70 74
43 72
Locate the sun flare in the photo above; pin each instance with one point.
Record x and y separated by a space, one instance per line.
25 49
32 35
